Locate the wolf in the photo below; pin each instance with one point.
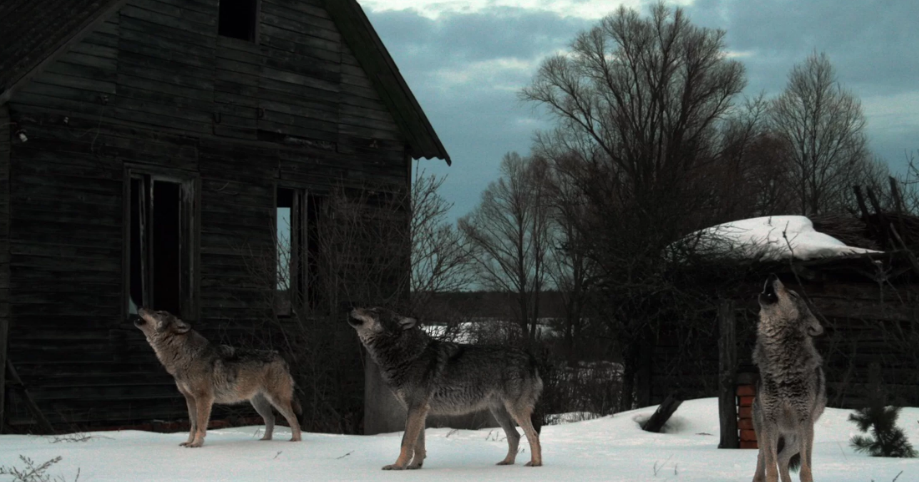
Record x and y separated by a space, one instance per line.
430 376
206 373
791 392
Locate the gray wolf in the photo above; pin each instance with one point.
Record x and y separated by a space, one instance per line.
430 376
206 374
791 393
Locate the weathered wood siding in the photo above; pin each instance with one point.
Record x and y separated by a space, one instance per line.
5 132
155 85
864 323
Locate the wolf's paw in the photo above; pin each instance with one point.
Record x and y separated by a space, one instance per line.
505 462
295 439
192 445
265 437
414 466
534 464
394 467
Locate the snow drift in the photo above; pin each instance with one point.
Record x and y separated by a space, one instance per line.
769 238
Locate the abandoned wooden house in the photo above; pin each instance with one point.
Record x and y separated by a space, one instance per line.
868 305
141 143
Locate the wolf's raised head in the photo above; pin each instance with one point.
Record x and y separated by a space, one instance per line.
785 309
379 321
156 324
389 337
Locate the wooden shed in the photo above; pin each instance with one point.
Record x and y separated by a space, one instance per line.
140 142
868 305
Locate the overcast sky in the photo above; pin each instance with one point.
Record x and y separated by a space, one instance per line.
465 61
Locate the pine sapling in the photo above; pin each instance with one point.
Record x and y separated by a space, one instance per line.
886 439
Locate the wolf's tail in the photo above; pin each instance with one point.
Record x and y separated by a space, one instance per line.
536 417
295 403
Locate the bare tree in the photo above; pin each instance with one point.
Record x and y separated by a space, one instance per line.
508 236
823 126
646 92
440 257
571 271
638 102
752 174
909 182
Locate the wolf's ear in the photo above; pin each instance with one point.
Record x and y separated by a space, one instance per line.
181 326
407 323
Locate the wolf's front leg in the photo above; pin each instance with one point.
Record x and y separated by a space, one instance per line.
806 438
203 404
414 423
768 441
192 417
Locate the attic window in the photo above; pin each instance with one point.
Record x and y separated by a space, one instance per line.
238 19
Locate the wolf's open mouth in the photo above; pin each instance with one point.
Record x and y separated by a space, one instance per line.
769 295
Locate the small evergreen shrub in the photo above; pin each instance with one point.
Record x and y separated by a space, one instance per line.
886 439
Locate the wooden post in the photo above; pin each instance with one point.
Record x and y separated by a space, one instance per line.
643 383
727 366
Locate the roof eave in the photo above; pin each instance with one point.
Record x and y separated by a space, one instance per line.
362 38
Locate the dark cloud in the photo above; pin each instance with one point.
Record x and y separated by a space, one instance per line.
466 68
500 31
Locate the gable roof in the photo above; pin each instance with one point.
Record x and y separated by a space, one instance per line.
36 32
366 45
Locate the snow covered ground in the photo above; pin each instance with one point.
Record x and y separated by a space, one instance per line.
607 449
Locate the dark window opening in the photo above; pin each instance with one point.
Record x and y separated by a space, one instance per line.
159 243
166 247
298 251
237 19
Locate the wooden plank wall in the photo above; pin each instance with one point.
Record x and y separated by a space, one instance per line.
864 324
5 133
155 85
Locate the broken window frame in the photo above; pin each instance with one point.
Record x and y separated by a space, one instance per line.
189 228
304 282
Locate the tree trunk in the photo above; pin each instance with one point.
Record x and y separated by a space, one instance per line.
629 366
569 341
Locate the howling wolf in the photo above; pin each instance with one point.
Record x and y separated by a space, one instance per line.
791 393
450 378
206 374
